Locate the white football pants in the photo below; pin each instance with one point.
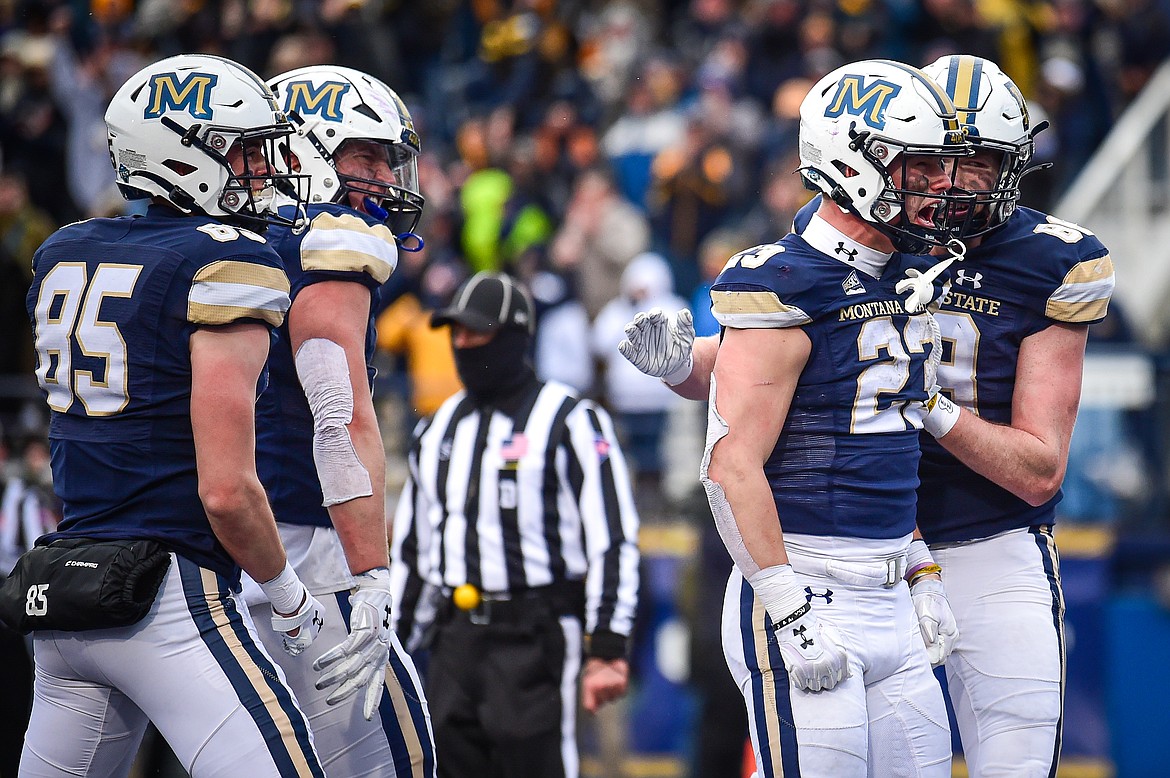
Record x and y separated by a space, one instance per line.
1006 674
192 666
887 719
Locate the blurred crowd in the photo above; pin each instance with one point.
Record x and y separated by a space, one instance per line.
611 153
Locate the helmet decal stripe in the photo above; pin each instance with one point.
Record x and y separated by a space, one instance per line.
964 83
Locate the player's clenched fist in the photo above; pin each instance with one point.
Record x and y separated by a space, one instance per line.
660 345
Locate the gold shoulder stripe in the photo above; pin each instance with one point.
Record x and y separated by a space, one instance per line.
215 315
227 271
739 303
346 243
1090 270
1077 312
225 291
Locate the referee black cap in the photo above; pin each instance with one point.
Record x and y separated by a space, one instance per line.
488 302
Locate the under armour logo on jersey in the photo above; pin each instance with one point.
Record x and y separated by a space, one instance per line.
850 254
975 279
826 595
801 632
852 284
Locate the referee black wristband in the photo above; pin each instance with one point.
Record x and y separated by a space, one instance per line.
606 645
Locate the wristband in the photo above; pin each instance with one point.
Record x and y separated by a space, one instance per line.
941 415
777 591
922 572
285 591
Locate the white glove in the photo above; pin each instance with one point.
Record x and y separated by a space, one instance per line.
359 663
296 614
930 369
299 629
921 286
936 622
660 345
941 414
812 650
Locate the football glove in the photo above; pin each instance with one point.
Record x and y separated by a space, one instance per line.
306 622
813 651
941 414
936 622
660 345
359 663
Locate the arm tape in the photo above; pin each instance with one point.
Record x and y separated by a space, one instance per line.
324 375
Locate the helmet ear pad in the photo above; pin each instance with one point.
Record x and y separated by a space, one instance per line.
170 129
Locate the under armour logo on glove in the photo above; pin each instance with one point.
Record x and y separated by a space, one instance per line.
851 254
318 621
386 619
805 640
826 595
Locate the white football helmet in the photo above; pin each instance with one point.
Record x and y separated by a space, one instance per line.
172 124
864 117
995 114
331 105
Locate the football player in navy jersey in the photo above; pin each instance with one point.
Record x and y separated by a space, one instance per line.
151 334
320 453
816 400
1014 327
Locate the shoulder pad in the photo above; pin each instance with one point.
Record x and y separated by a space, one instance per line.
758 288
344 241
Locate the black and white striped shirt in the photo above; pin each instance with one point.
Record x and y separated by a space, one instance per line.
515 498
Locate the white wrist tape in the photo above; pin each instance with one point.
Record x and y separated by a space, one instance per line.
777 590
918 555
285 591
324 375
941 415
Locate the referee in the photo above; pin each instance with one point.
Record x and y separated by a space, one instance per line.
514 551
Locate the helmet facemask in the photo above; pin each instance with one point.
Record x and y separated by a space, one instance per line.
905 210
252 195
396 201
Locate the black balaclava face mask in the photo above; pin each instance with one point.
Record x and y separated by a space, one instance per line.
496 369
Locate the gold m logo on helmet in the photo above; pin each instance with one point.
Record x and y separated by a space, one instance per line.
169 92
867 102
305 98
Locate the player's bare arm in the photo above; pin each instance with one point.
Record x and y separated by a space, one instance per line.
337 312
1029 458
225 366
756 374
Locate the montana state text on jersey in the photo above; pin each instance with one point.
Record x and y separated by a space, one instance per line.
1031 273
118 377
340 244
845 460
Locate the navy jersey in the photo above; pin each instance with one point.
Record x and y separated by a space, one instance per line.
113 304
846 460
340 244
1031 273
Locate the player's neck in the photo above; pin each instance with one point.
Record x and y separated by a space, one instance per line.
853 227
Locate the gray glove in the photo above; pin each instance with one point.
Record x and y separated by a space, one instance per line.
660 345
